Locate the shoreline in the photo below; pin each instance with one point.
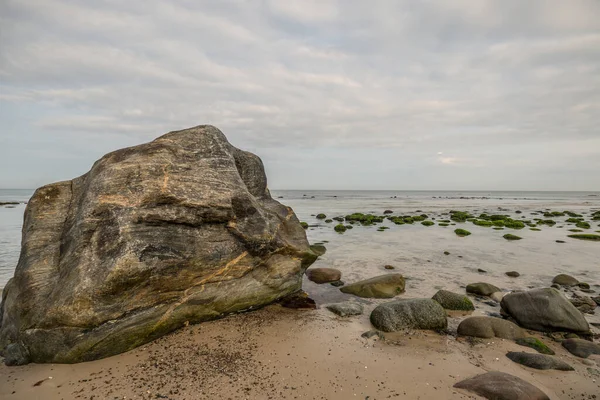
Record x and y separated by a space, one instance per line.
278 353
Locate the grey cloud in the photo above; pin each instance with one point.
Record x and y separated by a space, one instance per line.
332 94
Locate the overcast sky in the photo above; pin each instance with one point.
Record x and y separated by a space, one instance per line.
330 94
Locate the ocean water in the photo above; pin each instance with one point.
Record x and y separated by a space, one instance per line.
415 251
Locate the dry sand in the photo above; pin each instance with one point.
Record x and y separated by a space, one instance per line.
278 353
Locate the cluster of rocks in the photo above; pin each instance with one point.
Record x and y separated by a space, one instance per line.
544 310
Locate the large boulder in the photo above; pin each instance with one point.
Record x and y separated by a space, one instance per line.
409 314
453 301
538 361
501 386
489 327
482 288
545 310
179 230
382 287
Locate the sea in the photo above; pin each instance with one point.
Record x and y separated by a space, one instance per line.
430 258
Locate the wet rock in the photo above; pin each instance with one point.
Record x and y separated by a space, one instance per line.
581 348
497 296
545 310
318 249
583 285
538 361
299 300
337 283
453 301
409 314
482 288
513 274
565 280
535 344
346 309
383 286
323 275
584 304
489 327
178 230
501 386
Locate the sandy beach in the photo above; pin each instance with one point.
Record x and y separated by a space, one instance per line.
278 353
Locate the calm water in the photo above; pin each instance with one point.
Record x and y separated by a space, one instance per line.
415 250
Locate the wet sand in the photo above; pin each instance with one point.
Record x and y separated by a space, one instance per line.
278 353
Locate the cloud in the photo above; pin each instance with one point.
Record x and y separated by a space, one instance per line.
492 83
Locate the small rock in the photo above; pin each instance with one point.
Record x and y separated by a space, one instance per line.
447 253
560 241
388 212
501 386
497 296
513 274
318 249
383 286
538 361
388 267
584 304
583 285
535 344
580 347
565 280
483 271
409 314
489 327
299 300
453 301
482 288
337 283
345 309
323 275
371 333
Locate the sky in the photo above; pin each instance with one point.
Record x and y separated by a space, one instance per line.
331 94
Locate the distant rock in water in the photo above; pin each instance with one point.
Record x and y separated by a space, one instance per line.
179 230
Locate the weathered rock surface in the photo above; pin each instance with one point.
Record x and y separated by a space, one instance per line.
181 229
382 287
346 309
482 288
453 301
409 314
489 327
323 275
501 386
565 280
581 348
538 361
545 310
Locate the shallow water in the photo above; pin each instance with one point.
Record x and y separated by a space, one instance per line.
415 250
